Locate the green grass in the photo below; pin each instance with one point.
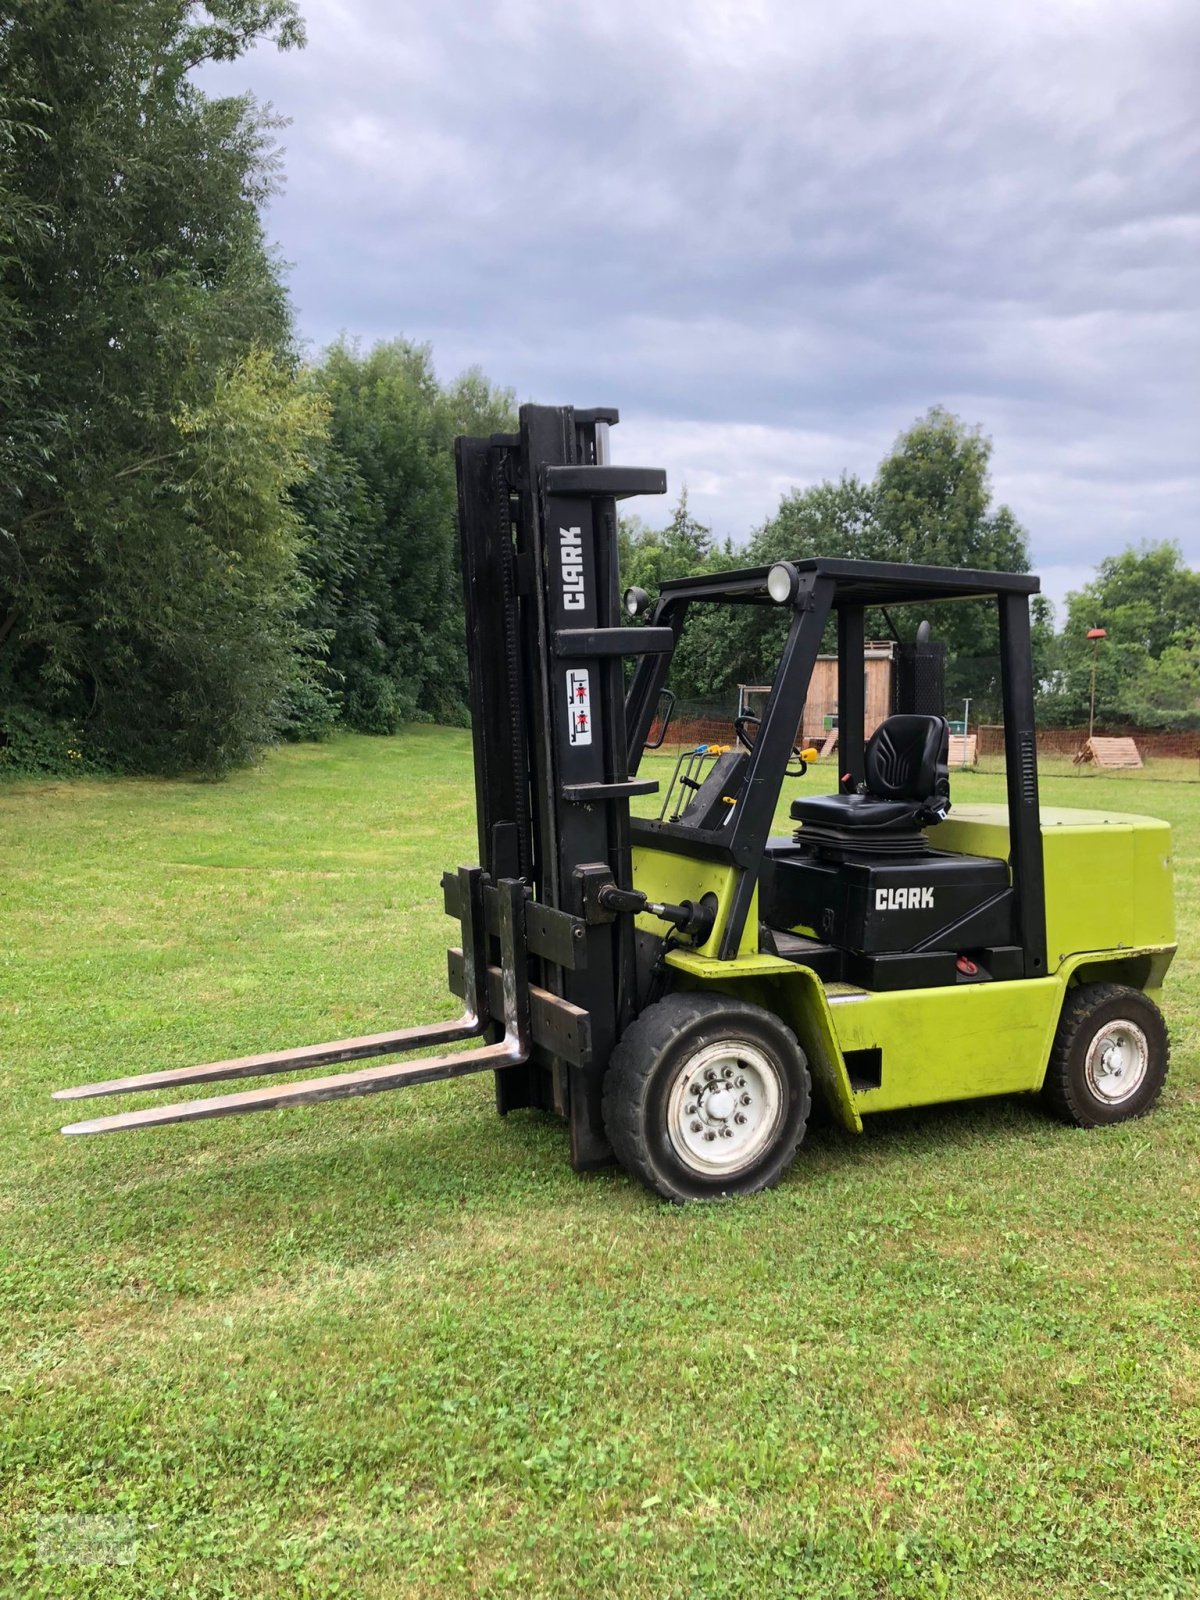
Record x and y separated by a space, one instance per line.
395 1347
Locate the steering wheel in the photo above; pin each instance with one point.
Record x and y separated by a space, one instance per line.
746 738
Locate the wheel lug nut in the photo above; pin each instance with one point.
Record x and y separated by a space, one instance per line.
695 1127
727 1072
741 1083
727 1133
740 1117
710 1135
745 1099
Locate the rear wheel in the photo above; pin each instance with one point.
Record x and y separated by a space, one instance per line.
1110 1056
706 1097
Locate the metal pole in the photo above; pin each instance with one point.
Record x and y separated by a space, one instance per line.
1092 708
1095 635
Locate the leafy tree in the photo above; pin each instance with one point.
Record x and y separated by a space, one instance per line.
832 519
930 503
933 501
650 556
22 226
934 508
1171 683
230 538
1044 642
383 561
1147 600
828 519
1146 595
147 594
331 502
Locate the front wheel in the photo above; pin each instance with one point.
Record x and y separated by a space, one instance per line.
1110 1056
706 1097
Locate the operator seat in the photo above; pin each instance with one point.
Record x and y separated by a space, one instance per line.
907 788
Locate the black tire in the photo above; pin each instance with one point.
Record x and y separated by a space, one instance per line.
690 1039
1084 1084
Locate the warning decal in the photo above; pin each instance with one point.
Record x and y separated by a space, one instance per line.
579 706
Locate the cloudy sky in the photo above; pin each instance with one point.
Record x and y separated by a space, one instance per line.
774 233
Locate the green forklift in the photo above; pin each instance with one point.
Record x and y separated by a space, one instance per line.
679 987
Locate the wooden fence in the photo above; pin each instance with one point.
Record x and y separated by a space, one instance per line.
1069 741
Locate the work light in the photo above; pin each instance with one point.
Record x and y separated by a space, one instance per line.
782 582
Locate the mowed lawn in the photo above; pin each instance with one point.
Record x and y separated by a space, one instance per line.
395 1347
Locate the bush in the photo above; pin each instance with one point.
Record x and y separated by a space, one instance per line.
33 745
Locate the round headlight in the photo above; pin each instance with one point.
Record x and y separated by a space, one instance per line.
636 601
782 582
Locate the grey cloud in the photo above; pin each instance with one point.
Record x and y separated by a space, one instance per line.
774 233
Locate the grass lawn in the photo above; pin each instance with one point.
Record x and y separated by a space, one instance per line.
395 1347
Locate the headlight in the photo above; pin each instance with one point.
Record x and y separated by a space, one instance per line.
782 582
636 601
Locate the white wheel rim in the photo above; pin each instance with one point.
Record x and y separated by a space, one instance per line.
1118 1059
725 1107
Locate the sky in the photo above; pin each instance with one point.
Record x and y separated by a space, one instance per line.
774 232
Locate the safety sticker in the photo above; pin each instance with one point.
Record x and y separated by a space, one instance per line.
579 706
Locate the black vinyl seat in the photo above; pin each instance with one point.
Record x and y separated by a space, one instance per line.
907 770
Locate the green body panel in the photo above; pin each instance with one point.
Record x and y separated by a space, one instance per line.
953 1043
974 1040
1108 874
1109 916
662 875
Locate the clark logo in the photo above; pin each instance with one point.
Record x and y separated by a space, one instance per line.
913 899
570 547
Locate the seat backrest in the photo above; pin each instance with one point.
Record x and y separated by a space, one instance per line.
907 758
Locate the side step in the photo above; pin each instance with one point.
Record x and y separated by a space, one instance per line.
823 959
512 1050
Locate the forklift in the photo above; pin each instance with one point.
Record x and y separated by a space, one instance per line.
678 988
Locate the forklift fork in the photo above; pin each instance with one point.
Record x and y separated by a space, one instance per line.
511 1050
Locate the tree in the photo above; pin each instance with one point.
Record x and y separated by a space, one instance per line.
1171 683
831 519
1147 600
383 560
827 519
933 501
934 508
1043 643
1148 594
23 225
930 503
649 556
135 563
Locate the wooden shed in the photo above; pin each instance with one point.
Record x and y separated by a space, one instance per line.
819 716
